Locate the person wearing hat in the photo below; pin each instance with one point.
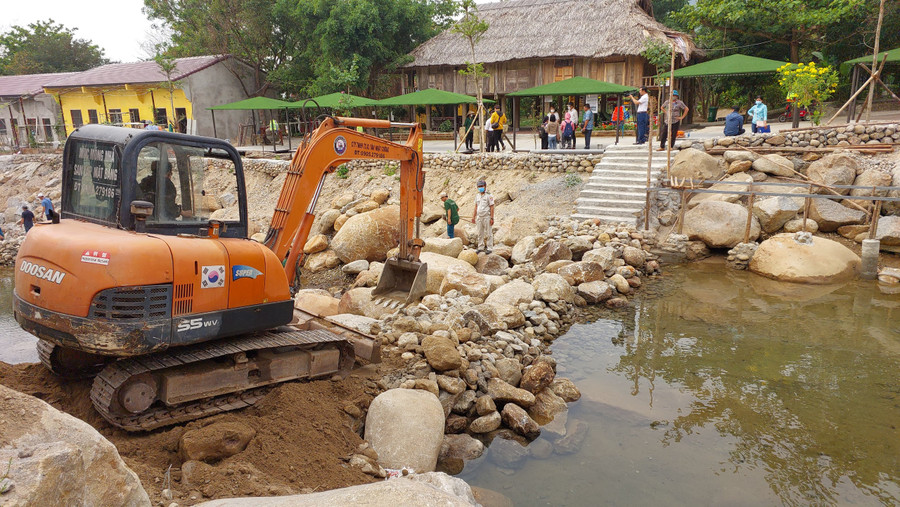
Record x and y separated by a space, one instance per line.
47 206
673 123
27 218
451 213
483 218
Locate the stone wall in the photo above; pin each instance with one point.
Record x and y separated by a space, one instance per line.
810 137
556 163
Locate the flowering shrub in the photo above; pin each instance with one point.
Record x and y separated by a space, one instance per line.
807 83
627 125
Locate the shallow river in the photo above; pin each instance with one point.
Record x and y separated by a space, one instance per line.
723 388
717 388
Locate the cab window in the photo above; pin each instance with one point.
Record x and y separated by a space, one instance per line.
93 172
184 183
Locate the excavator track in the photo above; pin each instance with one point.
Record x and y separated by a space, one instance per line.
107 388
69 363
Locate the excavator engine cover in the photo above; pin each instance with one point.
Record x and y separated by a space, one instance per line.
402 280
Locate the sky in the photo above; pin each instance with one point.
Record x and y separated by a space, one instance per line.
117 26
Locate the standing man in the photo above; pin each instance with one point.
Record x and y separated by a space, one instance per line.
643 117
469 130
483 217
760 114
27 218
46 205
679 111
588 126
451 214
498 132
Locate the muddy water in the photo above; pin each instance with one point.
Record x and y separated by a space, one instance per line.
16 346
722 388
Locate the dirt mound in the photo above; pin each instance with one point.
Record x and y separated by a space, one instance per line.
303 430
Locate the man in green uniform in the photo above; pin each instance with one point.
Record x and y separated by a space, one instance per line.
451 214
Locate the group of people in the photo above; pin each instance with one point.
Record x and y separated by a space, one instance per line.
759 117
482 217
27 216
679 111
557 131
494 128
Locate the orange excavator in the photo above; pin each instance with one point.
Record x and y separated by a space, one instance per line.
176 314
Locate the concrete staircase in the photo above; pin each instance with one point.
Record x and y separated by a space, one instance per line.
616 189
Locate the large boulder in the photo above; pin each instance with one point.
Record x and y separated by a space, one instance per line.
320 261
56 459
774 212
523 250
584 271
552 287
448 247
215 441
519 421
406 428
550 251
511 230
695 165
512 293
776 165
368 235
538 376
324 222
604 256
830 214
501 317
503 392
870 178
889 231
719 224
813 260
732 156
735 183
318 302
491 264
437 269
440 353
359 301
315 244
595 292
466 282
835 169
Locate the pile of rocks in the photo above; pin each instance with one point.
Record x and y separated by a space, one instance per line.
21 178
557 163
813 137
479 341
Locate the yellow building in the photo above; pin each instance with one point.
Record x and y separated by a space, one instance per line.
131 94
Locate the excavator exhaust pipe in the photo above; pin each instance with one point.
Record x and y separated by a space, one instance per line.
402 281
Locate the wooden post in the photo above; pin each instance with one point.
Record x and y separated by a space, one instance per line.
873 229
516 118
455 129
681 212
749 216
875 61
669 140
213 111
854 83
806 204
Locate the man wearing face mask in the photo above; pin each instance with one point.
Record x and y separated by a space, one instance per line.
483 218
760 114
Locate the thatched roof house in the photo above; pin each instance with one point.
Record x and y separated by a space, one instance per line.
534 42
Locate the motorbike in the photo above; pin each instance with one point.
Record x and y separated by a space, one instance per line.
786 115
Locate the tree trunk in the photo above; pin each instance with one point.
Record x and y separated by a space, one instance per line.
795 58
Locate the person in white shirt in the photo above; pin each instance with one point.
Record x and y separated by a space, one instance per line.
643 116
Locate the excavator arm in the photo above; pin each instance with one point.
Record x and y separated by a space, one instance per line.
333 143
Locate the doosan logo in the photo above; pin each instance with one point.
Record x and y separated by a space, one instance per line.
42 272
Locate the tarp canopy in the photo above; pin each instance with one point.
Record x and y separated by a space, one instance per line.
333 100
253 103
573 86
430 97
893 56
732 65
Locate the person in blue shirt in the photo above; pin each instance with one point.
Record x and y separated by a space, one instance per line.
27 218
734 122
2 237
47 204
587 126
760 113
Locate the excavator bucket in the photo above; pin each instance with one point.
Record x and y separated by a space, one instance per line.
402 281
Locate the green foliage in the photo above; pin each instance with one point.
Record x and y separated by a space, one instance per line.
572 179
4 482
446 126
45 46
342 171
390 169
659 54
806 84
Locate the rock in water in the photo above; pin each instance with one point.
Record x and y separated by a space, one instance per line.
215 441
719 224
502 392
552 287
68 462
368 235
406 429
518 420
537 376
816 261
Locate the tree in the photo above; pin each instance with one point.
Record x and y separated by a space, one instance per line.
167 65
44 47
472 28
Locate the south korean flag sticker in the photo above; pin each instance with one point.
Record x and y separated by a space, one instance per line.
212 277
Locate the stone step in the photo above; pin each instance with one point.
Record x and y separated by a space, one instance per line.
609 210
604 218
625 206
629 165
612 194
620 182
615 189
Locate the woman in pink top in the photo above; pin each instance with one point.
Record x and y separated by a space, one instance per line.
567 132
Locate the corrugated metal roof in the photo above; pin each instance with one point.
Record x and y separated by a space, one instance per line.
135 73
28 84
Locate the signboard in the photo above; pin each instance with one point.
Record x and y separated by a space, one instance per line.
592 101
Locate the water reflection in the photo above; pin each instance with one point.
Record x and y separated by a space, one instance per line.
722 388
16 346
806 379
